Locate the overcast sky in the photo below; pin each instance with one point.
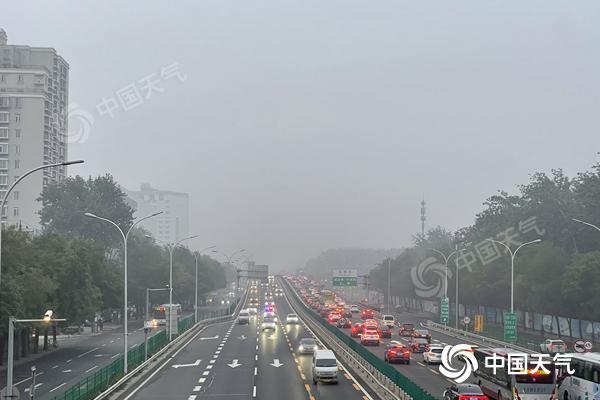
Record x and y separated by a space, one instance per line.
297 126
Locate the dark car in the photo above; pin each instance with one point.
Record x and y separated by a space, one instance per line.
344 323
356 330
367 314
422 333
325 312
385 331
406 329
396 352
347 313
419 345
464 391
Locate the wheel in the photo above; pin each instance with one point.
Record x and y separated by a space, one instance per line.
499 395
566 396
314 382
408 362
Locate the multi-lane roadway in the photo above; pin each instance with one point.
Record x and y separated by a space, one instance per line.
232 361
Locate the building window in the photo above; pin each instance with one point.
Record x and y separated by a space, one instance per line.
16 195
17 133
3 163
3 148
17 164
15 211
18 102
17 118
3 116
4 180
18 148
3 133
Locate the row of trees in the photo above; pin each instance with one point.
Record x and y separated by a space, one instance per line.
559 276
74 267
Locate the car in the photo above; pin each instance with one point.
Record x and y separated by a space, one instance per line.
433 355
385 331
333 318
292 319
347 313
354 309
244 317
268 323
356 330
422 333
324 367
552 346
367 314
406 329
307 346
396 352
324 312
388 320
344 323
419 345
464 391
252 311
369 336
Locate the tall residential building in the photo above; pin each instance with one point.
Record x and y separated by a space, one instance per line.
170 226
34 95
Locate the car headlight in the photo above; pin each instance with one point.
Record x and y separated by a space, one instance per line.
301 348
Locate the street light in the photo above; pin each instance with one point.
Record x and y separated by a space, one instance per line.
512 268
196 255
586 223
446 259
11 187
171 247
125 237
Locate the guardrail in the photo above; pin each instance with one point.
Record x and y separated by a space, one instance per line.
382 378
483 340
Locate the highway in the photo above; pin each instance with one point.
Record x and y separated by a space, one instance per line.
426 376
232 361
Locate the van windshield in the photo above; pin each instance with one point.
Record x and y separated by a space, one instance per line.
326 362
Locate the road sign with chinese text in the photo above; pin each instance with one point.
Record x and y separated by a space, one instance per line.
510 327
344 277
444 310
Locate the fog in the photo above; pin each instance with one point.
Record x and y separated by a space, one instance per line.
297 126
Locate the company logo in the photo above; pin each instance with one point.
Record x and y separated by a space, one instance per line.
428 278
451 356
80 124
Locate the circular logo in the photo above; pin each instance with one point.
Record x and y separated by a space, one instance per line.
80 124
450 356
428 278
579 346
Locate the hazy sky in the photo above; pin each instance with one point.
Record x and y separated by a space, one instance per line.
304 125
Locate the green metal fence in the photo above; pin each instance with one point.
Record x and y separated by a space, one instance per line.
411 388
93 385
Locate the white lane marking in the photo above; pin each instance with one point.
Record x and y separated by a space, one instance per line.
91 369
26 379
205 373
201 380
58 387
115 356
212 361
87 352
254 392
54 367
192 397
256 357
36 386
209 367
197 388
255 371
68 361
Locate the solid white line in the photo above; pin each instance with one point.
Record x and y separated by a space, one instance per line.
254 392
87 352
91 369
115 356
134 391
58 387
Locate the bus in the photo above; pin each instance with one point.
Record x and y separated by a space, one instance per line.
585 381
159 313
538 385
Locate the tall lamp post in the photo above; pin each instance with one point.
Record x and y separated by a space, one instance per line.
171 247
586 223
125 237
197 254
512 268
11 187
230 257
446 259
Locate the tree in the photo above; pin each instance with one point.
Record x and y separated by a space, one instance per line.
65 203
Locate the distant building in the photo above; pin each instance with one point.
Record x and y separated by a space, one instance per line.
34 97
170 226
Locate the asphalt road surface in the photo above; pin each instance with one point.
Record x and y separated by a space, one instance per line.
232 361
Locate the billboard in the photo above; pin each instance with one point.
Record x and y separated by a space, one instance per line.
344 277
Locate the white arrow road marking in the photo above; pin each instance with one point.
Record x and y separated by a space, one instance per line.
36 386
276 363
209 338
186 365
234 364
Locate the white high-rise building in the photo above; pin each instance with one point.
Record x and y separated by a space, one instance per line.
34 95
170 226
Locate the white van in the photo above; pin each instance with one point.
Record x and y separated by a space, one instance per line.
388 320
324 367
244 317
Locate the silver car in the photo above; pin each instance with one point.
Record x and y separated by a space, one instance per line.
307 346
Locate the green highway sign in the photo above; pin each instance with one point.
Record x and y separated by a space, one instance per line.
444 310
510 327
345 281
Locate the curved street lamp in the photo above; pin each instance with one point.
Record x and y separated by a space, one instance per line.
125 236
